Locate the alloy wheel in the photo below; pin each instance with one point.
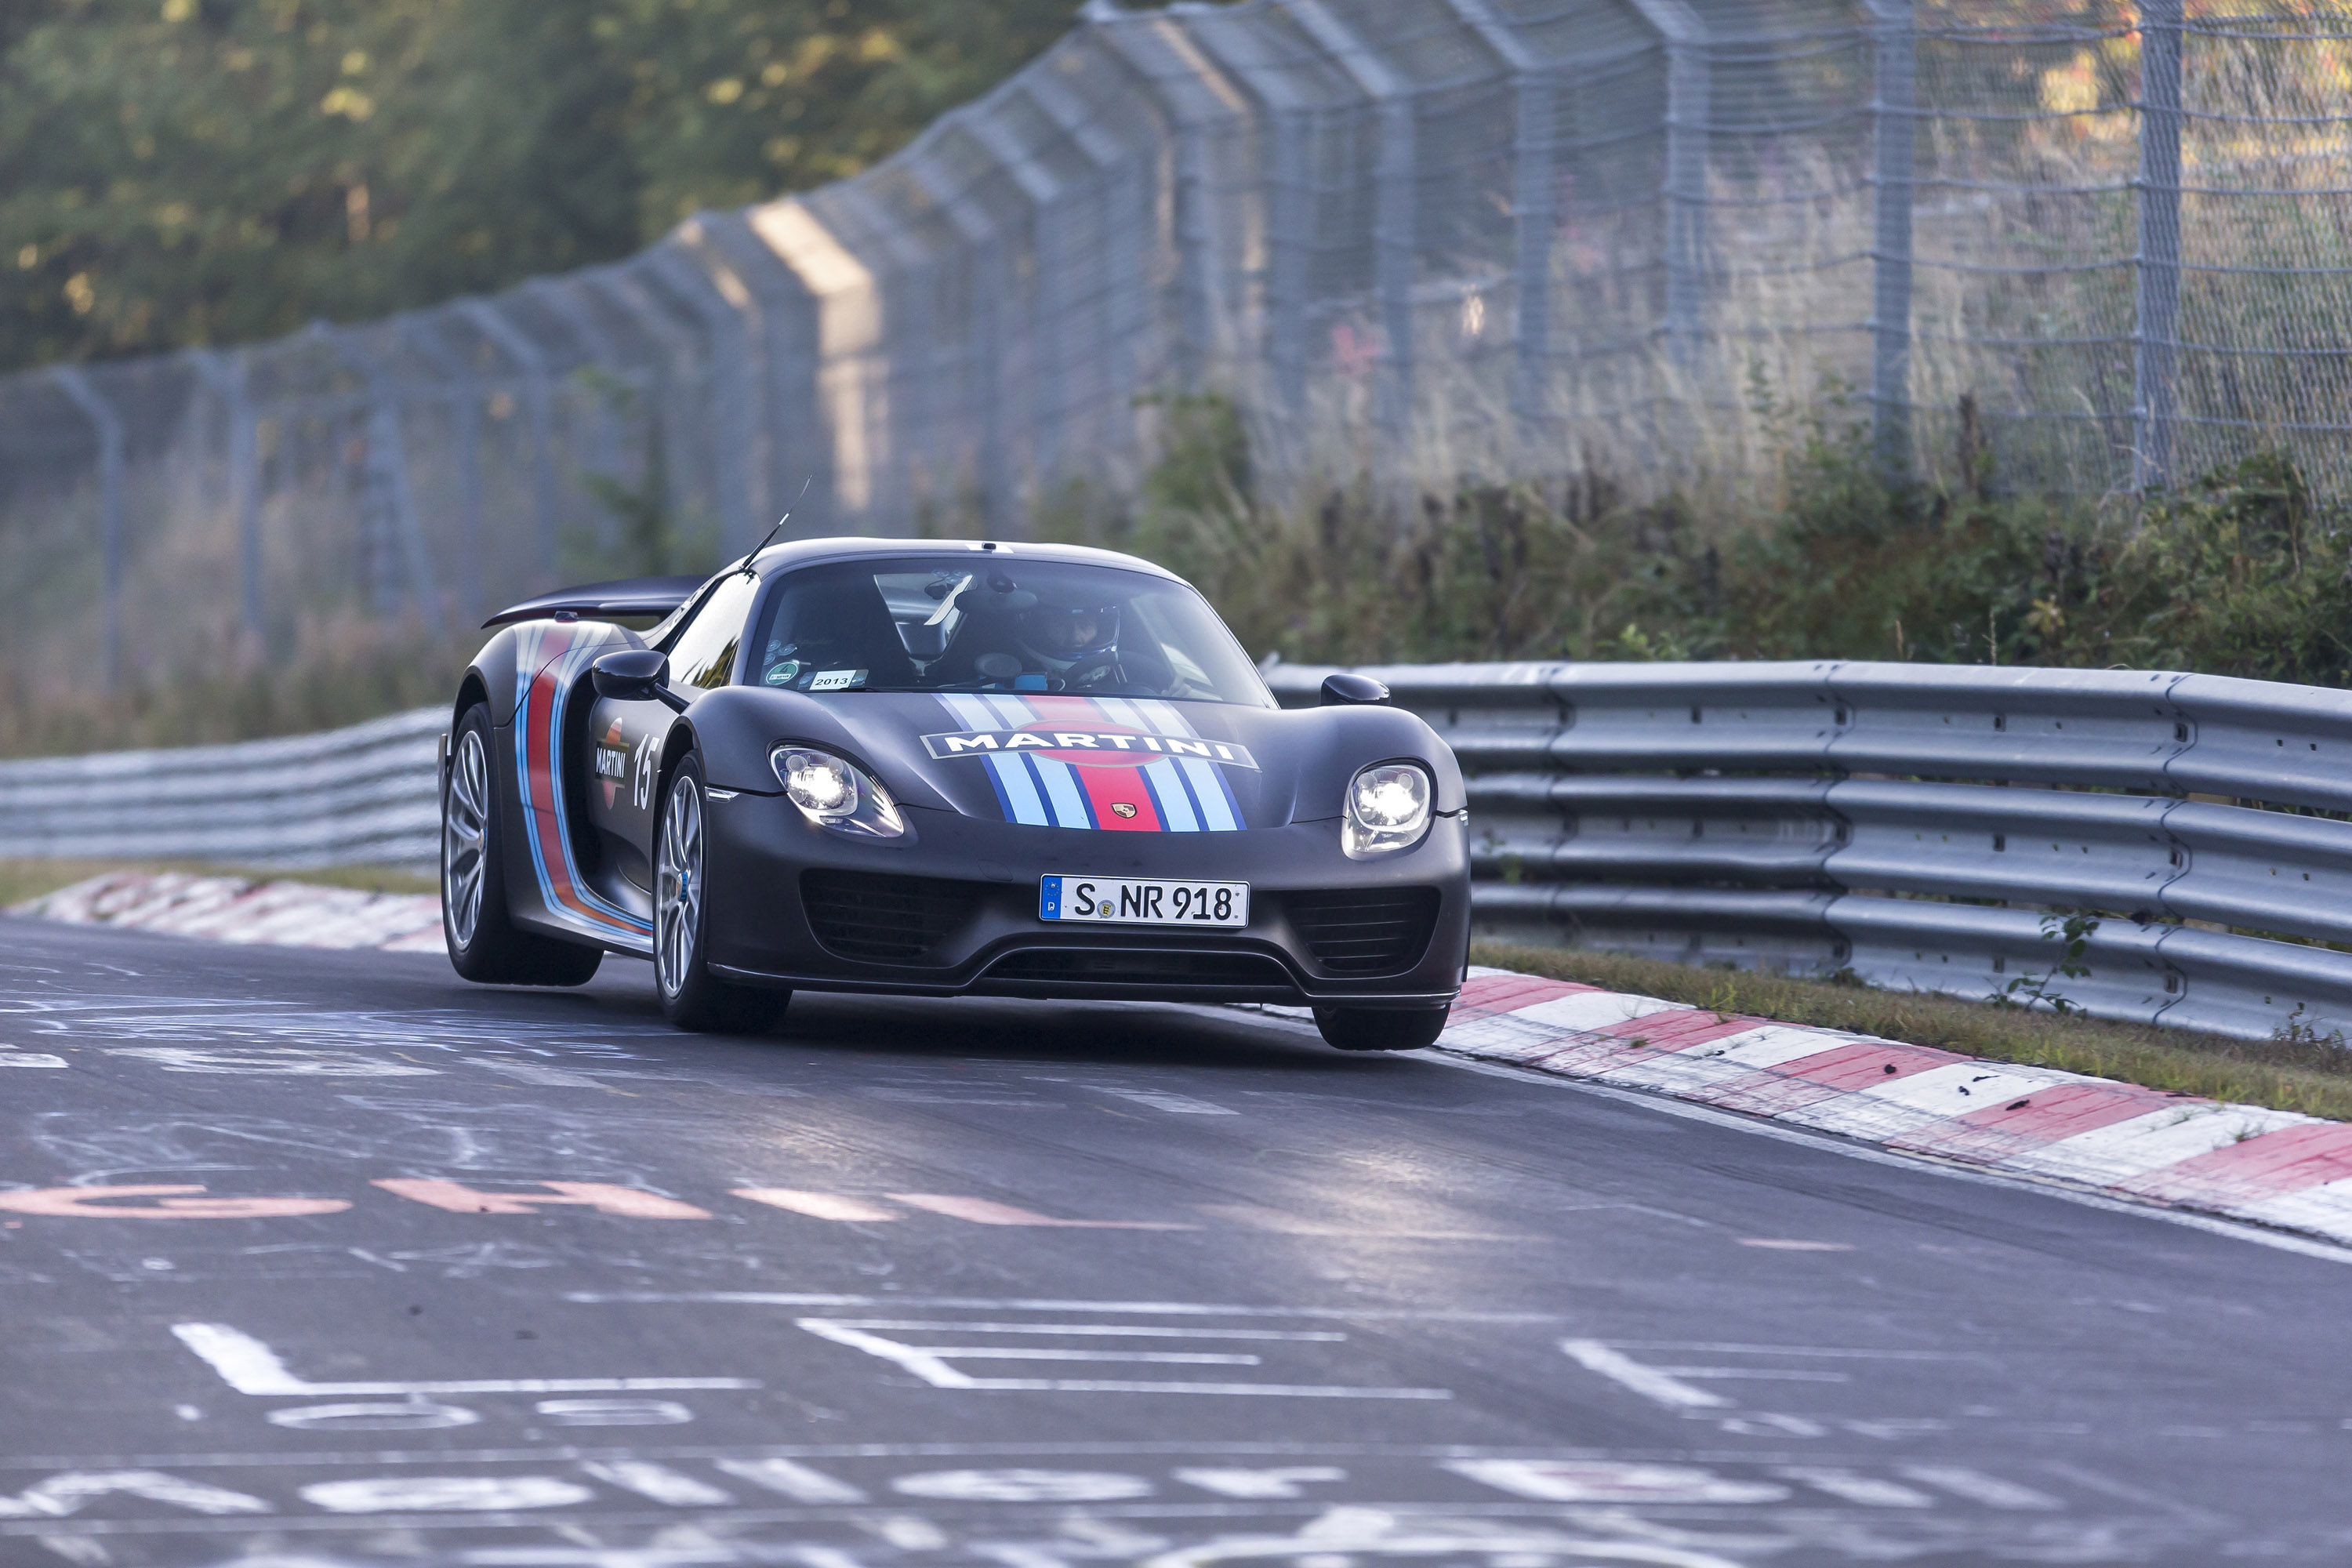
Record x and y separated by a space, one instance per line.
678 912
465 825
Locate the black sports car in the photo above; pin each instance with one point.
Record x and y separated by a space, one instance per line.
940 769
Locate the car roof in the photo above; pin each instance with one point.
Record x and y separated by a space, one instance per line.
797 552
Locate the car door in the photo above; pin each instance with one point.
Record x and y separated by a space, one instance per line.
625 738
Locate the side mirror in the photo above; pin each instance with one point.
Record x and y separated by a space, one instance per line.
1347 690
634 674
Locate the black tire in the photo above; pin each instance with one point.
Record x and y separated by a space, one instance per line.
1380 1028
691 997
485 944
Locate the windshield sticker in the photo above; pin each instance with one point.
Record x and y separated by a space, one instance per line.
836 680
1113 747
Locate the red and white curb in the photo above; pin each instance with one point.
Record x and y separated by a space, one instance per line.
2146 1146
238 908
2270 1167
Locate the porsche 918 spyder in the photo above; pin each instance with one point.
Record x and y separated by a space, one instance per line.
942 769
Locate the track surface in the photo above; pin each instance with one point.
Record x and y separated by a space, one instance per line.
1053 1285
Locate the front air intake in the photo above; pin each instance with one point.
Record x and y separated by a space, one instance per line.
1138 966
1375 930
885 920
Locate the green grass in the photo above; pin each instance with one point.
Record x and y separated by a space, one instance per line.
2310 1076
23 879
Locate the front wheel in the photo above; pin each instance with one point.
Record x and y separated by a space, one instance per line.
1380 1028
691 997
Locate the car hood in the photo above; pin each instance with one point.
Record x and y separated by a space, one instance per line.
1103 764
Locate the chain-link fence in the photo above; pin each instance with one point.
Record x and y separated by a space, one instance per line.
2078 243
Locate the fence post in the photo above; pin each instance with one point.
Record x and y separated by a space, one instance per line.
1895 113
726 310
792 347
108 423
2156 314
1532 133
986 364
517 347
466 404
673 354
1688 114
229 376
387 469
1395 236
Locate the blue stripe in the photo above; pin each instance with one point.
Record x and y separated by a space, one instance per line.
1063 796
1018 791
1167 791
1216 798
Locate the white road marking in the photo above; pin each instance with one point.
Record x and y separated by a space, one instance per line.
1648 1381
1283 1481
1977 1487
445 1494
1869 1491
1610 1481
632 1203
1053 1304
794 1480
1349 1535
249 1366
982 1211
818 1205
612 1412
414 1415
1023 1486
659 1482
1161 1099
61 1495
934 1365
270 1061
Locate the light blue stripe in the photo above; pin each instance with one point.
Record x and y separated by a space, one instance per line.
1120 712
1062 792
1208 789
1167 794
1163 720
1011 712
968 711
1020 790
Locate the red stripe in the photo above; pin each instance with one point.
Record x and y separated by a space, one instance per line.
2287 1161
1109 787
2034 1121
1679 1031
1487 994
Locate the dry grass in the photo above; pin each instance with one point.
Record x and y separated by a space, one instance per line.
2312 1078
23 879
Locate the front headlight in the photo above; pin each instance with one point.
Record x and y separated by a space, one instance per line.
837 794
1388 809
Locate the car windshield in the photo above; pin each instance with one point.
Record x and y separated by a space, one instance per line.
998 624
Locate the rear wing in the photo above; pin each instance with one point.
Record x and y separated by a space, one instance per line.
630 597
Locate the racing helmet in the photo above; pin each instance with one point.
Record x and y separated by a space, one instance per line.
1060 636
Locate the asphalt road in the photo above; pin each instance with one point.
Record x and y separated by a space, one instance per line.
443 1275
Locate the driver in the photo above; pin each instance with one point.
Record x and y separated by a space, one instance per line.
1065 638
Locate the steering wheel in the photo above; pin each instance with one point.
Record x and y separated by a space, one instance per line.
1092 667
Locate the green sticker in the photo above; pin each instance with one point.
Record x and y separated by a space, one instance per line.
779 673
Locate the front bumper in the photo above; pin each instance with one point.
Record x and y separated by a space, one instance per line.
760 930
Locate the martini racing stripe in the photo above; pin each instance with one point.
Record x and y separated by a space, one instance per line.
549 660
1166 795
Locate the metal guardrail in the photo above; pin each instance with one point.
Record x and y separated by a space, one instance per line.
1912 824
365 795
1916 824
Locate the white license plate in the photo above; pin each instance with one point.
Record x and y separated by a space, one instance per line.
1127 900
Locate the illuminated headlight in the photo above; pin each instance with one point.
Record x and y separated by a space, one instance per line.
1388 809
834 793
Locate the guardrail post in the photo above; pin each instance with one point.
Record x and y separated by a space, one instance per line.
1895 113
104 418
2155 306
1688 114
517 347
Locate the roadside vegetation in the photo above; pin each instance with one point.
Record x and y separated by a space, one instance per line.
23 879
2308 1075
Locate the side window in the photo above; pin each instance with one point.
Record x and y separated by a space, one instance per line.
704 653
